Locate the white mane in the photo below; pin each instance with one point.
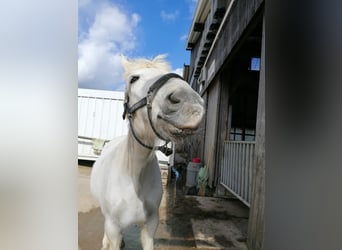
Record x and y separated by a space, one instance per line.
158 62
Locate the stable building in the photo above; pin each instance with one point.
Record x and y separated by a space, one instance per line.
226 41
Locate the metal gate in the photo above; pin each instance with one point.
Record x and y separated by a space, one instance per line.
236 171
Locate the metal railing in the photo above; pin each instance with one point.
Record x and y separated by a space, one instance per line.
236 171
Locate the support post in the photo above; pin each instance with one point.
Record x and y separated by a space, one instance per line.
256 225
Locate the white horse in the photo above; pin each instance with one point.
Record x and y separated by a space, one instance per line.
160 106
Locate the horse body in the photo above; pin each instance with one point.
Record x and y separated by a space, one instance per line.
129 189
126 177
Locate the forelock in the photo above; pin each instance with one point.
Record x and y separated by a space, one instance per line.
158 62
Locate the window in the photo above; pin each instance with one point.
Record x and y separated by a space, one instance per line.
255 64
239 134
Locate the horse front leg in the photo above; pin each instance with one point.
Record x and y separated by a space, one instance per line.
148 231
105 242
112 239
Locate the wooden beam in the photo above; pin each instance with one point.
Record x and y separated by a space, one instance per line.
190 46
198 27
256 225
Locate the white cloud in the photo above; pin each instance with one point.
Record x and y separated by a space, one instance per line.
169 16
183 37
110 34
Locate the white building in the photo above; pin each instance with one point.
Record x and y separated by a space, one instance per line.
100 120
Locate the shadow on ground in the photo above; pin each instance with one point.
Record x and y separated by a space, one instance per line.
186 222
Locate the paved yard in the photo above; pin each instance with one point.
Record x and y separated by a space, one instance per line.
186 222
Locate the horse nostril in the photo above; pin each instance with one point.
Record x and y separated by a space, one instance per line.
173 99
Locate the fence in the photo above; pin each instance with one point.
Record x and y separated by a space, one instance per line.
236 171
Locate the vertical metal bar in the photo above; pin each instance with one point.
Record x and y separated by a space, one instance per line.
250 172
238 169
227 161
230 165
233 166
243 165
241 168
246 172
223 163
236 165
223 169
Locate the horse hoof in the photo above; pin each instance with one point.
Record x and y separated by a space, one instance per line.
122 245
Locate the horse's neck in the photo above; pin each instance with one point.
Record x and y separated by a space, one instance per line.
139 157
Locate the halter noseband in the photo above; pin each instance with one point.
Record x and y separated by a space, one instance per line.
147 101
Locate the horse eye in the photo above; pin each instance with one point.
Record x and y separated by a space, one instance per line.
134 79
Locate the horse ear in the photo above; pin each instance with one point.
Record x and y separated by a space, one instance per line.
161 62
124 62
160 57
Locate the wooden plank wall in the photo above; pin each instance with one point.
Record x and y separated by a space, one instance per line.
211 129
223 121
241 15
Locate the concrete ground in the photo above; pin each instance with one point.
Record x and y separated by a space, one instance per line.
186 222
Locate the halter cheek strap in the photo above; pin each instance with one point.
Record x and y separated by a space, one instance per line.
147 101
164 149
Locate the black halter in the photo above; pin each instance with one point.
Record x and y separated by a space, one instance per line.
147 101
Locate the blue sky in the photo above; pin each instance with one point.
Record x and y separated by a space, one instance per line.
134 28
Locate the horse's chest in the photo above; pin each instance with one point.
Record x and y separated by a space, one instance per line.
133 211
126 206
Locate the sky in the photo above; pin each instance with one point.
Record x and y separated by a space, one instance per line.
108 29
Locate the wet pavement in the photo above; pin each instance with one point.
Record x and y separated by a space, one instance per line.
186 222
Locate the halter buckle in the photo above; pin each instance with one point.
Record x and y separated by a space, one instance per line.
165 150
149 99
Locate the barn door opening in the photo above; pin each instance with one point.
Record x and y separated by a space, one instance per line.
241 76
